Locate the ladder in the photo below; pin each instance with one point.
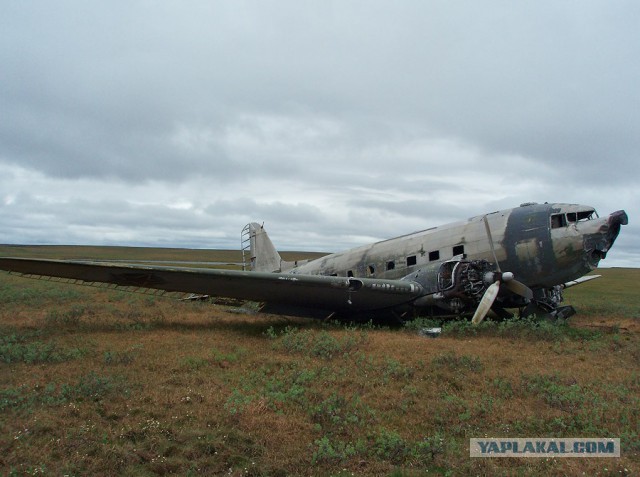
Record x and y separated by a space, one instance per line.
245 247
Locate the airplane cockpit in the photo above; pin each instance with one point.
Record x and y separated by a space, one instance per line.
571 215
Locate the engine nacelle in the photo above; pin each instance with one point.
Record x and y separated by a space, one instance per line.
455 285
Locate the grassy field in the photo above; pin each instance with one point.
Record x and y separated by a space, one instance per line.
136 254
101 382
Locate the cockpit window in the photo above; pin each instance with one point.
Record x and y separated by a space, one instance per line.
586 215
561 220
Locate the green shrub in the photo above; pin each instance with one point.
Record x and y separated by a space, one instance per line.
14 349
334 450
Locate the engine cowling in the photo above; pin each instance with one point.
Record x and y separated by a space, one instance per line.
455 286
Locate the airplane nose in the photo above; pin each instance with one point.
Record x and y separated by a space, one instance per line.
615 221
619 217
601 242
598 244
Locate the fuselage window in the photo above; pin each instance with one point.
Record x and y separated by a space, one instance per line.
350 273
435 255
391 265
571 217
558 220
458 250
411 260
372 269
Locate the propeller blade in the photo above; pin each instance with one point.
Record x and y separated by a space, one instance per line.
485 303
493 250
519 288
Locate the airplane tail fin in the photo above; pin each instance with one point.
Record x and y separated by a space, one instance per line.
258 252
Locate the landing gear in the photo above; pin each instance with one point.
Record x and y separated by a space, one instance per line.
501 313
546 304
564 312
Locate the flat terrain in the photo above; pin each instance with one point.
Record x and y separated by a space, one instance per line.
102 382
138 254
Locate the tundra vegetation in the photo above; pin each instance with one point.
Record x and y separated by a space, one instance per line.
101 382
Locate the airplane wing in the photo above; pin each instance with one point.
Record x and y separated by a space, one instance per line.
307 291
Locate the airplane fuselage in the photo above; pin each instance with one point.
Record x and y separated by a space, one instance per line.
543 245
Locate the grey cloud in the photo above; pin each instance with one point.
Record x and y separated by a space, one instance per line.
303 215
437 210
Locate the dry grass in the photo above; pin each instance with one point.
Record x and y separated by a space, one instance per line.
102 382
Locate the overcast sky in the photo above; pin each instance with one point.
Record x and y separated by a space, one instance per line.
166 123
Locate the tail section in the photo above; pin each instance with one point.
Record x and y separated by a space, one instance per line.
258 252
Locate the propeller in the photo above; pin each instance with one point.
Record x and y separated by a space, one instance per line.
486 302
497 279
